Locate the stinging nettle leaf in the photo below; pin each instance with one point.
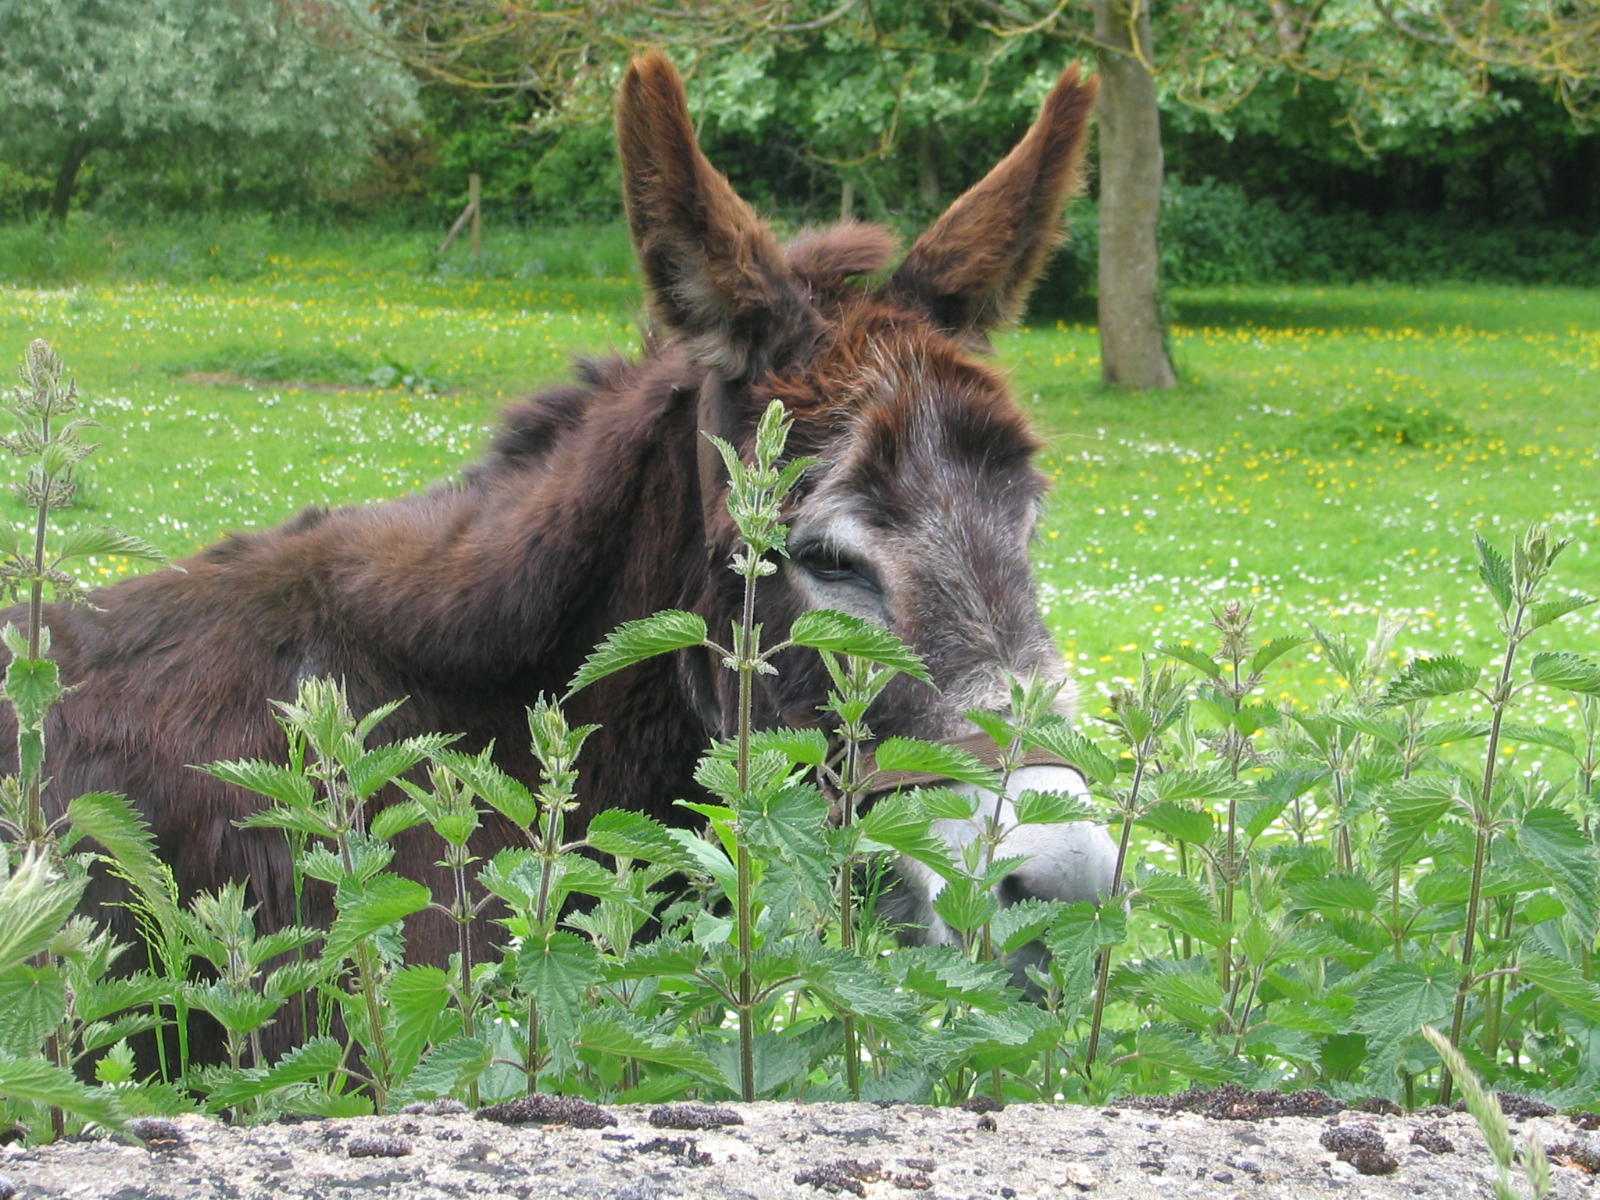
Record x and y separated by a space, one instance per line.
1427 678
102 539
1194 657
1076 749
1179 822
1495 573
1272 652
936 758
1541 614
842 633
1568 671
662 633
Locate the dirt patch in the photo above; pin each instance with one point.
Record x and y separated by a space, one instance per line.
802 1152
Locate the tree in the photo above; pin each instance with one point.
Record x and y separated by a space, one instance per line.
860 82
268 86
1133 340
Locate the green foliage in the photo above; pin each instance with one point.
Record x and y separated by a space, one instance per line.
219 89
1347 833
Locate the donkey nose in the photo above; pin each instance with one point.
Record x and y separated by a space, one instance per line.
1012 890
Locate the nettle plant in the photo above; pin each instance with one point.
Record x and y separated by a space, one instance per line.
1320 884
763 977
1299 893
61 1014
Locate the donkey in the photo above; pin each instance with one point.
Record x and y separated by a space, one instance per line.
599 503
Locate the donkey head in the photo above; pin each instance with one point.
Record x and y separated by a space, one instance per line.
921 516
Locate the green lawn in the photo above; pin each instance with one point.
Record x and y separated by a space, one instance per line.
1330 457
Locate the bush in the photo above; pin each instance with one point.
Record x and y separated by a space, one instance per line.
1213 234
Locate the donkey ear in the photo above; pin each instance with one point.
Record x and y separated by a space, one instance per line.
714 272
974 268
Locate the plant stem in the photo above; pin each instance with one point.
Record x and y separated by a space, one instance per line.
1104 974
847 922
1483 819
747 658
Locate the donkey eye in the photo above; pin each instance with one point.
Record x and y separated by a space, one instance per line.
831 564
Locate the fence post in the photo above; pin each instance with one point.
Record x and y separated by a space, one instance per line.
473 212
474 199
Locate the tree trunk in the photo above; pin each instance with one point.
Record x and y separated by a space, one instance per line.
1133 342
66 180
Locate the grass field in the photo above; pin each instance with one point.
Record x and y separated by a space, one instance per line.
1328 459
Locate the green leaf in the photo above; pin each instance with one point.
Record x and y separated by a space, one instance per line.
33 1002
1568 671
416 1000
508 796
847 983
1079 934
664 958
1540 735
319 1057
1180 823
780 1058
237 1009
1562 981
112 821
964 905
1207 783
1443 733
379 902
803 747
625 834
382 765
662 633
936 758
1272 652
298 820
449 1068
102 539
1186 1053
945 973
902 823
1076 749
1390 732
1187 993
272 780
845 634
1428 678
1167 889
34 902
1023 922
33 685
1412 809
1338 891
1194 656
117 992
1540 615
34 1081
1394 1001
618 1034
1495 573
395 819
1558 848
789 831
1050 808
707 858
558 972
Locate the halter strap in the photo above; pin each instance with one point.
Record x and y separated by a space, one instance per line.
979 745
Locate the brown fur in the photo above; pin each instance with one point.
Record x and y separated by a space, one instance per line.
473 599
